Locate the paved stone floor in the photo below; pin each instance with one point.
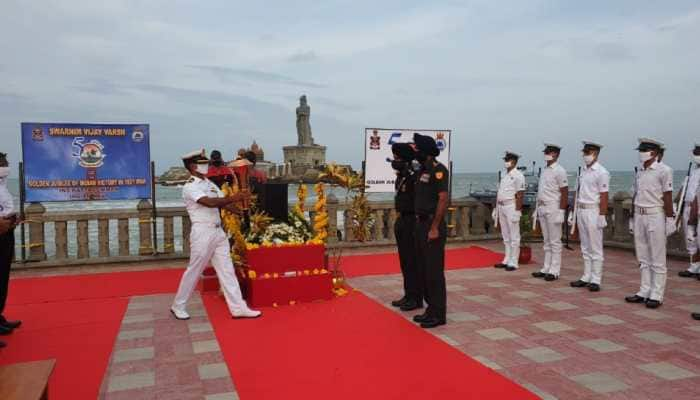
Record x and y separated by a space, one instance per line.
567 343
158 357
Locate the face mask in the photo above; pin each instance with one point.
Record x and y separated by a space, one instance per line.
202 168
548 157
588 159
4 172
696 159
645 156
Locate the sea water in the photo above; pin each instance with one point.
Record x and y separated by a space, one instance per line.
171 196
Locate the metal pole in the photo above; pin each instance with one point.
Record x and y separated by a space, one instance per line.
21 211
153 210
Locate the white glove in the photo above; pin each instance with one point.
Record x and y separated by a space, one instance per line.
690 234
494 213
631 226
602 222
559 216
570 220
670 226
515 217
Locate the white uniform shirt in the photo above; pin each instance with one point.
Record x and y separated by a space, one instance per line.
195 189
511 183
652 182
594 181
693 184
7 206
553 178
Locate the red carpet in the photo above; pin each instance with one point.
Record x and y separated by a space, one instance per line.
93 286
348 348
79 335
388 263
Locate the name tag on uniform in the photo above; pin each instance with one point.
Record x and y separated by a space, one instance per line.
425 178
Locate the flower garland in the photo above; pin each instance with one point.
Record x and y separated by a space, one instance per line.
301 198
232 225
321 217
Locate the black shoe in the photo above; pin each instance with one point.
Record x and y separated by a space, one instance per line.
635 299
411 305
578 283
696 316
538 274
420 318
594 287
510 268
5 330
653 304
500 265
11 324
687 274
400 302
433 323
550 277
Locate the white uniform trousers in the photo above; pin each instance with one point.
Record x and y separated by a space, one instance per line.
551 234
650 245
691 242
511 234
209 243
591 238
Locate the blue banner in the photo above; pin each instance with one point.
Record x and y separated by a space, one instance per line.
74 162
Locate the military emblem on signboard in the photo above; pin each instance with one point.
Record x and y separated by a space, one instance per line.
375 141
440 141
90 154
137 136
38 135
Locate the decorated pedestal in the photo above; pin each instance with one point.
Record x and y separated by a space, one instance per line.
285 274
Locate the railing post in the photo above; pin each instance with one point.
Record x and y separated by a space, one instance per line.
621 217
83 246
393 215
479 219
186 229
168 235
34 213
463 222
103 237
123 235
332 205
145 237
61 234
378 228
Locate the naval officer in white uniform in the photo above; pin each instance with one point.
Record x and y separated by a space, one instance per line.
653 222
552 202
690 230
208 242
592 209
508 210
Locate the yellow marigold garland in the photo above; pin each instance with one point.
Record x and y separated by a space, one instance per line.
321 216
232 225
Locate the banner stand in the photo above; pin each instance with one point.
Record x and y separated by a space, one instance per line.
154 210
21 212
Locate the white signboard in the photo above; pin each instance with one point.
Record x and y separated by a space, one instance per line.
379 176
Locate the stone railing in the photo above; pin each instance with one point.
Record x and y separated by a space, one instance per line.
98 237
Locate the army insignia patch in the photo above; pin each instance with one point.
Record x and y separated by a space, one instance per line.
439 175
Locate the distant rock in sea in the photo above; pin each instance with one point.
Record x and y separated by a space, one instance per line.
173 176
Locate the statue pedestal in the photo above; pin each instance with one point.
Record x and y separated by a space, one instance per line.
302 158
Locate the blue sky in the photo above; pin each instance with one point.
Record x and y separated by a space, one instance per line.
501 74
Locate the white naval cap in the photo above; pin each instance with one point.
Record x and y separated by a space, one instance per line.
591 145
551 146
193 154
511 154
649 144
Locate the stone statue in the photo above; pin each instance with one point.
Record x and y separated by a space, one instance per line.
303 125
